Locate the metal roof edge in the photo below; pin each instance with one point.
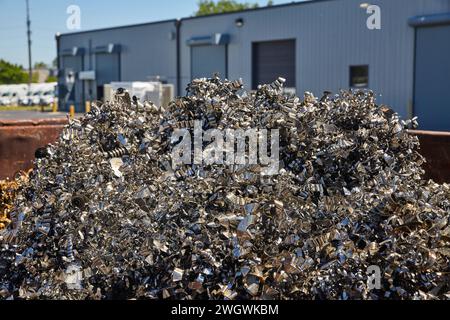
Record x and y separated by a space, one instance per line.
430 20
118 27
276 6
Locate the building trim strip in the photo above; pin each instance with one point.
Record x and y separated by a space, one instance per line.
430 20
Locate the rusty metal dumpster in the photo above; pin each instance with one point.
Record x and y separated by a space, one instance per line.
19 140
435 147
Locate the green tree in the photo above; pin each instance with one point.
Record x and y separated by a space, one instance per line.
51 79
34 77
207 7
12 73
40 65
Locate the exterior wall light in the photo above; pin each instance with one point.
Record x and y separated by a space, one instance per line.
239 22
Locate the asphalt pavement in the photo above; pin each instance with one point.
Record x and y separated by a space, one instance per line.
31 115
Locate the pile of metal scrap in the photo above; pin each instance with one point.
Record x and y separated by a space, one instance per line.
106 215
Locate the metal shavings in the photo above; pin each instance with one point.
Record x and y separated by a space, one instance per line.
8 192
116 163
177 275
105 216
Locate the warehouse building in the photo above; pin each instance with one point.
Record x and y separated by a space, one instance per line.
92 59
321 45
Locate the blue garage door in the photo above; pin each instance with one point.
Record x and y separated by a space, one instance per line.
273 59
107 67
206 60
432 80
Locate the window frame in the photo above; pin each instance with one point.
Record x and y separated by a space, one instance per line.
351 76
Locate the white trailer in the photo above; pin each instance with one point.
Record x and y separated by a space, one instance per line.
151 91
154 91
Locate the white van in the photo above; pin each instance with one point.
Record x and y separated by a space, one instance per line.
48 94
13 94
4 88
32 96
4 92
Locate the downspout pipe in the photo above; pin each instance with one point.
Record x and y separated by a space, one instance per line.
178 54
58 68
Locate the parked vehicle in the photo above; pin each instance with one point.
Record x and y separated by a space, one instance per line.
48 96
13 94
39 94
32 95
3 89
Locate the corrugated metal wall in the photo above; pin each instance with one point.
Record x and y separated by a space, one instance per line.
432 85
146 50
330 36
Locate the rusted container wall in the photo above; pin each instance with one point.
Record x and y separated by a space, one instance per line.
20 139
435 147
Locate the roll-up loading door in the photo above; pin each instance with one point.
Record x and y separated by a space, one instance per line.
272 59
107 66
206 60
432 77
209 55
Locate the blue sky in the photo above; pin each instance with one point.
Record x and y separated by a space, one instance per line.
49 17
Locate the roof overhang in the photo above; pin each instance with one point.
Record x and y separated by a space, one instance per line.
75 51
109 48
216 39
430 20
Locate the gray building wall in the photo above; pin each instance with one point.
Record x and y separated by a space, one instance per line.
147 50
330 36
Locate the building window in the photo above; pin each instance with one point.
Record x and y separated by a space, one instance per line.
359 76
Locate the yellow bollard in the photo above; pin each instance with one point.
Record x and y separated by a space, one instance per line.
55 106
72 111
88 107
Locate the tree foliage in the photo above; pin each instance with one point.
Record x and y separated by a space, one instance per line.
207 7
51 79
40 65
12 73
34 77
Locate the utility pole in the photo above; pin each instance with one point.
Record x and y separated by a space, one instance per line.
30 71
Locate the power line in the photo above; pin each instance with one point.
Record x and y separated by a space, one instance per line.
30 71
